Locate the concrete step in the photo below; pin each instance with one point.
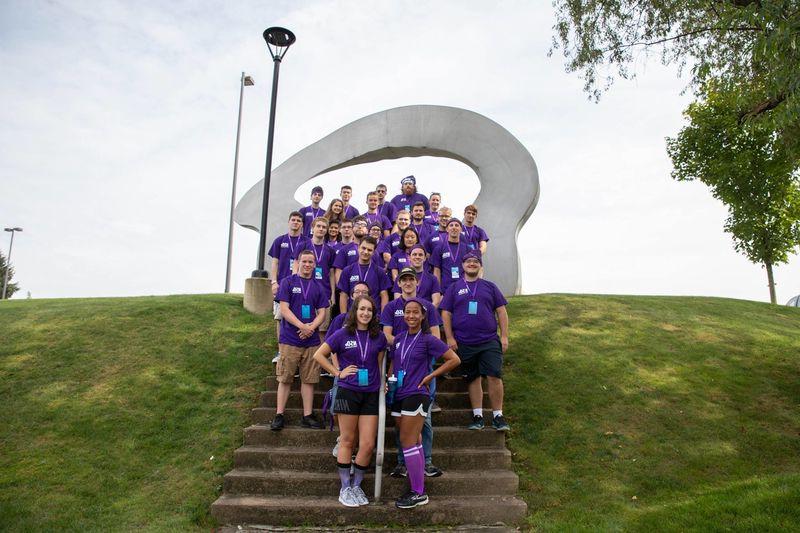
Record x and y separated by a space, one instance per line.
447 417
319 459
446 400
293 483
443 437
442 385
299 511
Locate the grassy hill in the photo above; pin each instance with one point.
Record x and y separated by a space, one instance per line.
628 413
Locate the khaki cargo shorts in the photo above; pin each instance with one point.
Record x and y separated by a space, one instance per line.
294 357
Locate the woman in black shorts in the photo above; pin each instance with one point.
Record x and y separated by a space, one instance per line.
412 356
359 347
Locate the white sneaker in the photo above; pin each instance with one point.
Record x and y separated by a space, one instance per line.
277 356
335 450
359 495
347 498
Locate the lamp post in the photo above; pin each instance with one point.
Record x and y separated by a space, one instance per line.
246 81
8 259
278 42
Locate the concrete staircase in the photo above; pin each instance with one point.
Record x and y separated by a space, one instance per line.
288 477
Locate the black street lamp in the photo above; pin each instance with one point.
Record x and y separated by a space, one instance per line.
8 259
278 42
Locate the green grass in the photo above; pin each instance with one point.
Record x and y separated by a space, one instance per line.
655 413
113 408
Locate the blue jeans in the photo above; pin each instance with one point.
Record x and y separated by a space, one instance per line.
427 441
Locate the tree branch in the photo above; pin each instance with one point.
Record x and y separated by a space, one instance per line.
763 107
680 35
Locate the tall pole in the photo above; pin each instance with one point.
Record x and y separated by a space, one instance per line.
8 261
262 240
233 190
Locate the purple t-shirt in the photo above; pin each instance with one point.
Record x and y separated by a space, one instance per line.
390 244
423 230
346 255
304 297
473 236
433 240
334 246
432 218
388 210
377 218
399 260
427 286
324 256
413 355
401 201
375 278
361 350
350 212
392 315
472 305
335 325
447 257
309 214
284 249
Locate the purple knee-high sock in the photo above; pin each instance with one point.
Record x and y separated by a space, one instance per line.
344 474
415 464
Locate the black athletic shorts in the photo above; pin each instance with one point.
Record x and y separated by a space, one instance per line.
416 405
350 402
484 359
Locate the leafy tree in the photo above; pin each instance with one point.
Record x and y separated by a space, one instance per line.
752 46
12 287
748 169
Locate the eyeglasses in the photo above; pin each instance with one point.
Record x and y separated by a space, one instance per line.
360 224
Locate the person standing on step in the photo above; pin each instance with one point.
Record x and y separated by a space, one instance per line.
385 208
408 195
332 238
472 309
359 347
374 216
348 211
364 270
391 244
408 238
427 285
474 236
432 216
283 251
412 353
446 258
313 211
302 302
323 270
392 320
438 234
335 211
422 228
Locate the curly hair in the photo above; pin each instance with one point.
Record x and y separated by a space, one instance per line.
351 322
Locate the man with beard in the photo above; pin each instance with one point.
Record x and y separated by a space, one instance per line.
409 195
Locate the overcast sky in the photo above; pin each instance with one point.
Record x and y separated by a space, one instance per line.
118 124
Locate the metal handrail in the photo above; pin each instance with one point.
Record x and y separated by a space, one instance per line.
379 448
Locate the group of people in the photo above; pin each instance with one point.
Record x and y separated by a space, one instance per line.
405 281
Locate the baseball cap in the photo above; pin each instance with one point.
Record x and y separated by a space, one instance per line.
407 271
472 254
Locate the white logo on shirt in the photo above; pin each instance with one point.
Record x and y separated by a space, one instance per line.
355 278
350 344
445 255
399 312
351 252
297 290
284 245
463 291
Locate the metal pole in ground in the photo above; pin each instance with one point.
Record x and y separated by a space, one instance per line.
8 260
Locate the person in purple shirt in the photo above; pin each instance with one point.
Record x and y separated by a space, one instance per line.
364 270
446 258
323 270
439 234
374 216
385 208
427 286
332 238
422 228
411 356
376 232
283 251
472 309
474 236
302 302
348 211
432 215
399 260
409 195
359 289
359 347
312 211
391 243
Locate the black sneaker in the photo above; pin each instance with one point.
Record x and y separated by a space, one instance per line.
399 471
411 499
310 422
499 423
432 471
477 422
277 422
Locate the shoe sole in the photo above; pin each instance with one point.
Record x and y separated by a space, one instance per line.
438 474
474 428
412 506
503 430
347 504
398 476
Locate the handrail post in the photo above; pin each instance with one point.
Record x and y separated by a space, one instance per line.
379 451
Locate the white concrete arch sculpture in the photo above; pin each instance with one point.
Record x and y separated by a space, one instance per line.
507 173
